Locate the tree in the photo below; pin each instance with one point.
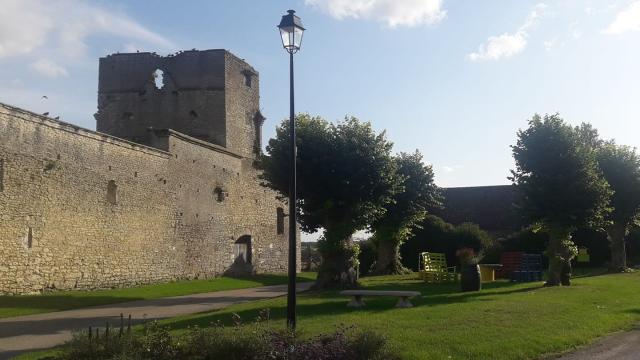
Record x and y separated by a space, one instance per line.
346 177
561 186
621 168
408 208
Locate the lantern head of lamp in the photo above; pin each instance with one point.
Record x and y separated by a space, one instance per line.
291 32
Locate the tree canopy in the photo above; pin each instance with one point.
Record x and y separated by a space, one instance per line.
620 166
558 175
346 177
409 207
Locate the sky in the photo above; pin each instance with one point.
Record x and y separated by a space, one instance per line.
454 79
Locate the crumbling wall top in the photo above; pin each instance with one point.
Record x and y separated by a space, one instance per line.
188 70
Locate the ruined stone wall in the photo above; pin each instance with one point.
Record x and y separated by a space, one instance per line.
211 95
191 98
58 228
242 106
211 223
61 228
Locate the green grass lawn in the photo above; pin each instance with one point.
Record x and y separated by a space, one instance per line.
503 321
65 300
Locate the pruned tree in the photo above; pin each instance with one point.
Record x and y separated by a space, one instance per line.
621 168
408 208
562 187
346 177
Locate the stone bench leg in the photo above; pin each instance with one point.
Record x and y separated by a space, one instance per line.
356 301
404 302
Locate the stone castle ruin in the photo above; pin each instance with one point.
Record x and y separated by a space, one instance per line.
165 189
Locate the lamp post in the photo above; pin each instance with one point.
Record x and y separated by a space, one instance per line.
291 31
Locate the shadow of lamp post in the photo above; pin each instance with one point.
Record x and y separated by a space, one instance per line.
291 31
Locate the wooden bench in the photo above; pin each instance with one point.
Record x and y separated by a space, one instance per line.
403 302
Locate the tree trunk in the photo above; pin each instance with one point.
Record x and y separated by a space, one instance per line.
388 259
565 275
555 269
617 234
560 253
337 269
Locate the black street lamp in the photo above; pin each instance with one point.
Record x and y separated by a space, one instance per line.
291 31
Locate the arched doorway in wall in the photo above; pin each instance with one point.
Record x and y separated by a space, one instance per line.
242 250
242 258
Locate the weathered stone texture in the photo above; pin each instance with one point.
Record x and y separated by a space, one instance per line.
181 203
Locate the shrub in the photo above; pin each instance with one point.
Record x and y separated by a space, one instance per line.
367 256
433 235
526 240
436 235
241 342
470 235
596 242
633 246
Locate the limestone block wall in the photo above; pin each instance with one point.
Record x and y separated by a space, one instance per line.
210 224
84 210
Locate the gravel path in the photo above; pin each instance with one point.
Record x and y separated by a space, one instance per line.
619 346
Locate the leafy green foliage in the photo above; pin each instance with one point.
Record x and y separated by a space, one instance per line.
432 235
436 235
408 208
558 175
633 246
561 185
621 168
470 235
346 177
367 256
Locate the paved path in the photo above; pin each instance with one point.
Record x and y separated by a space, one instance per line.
42 331
620 346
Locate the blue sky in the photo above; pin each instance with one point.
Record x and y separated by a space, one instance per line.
454 79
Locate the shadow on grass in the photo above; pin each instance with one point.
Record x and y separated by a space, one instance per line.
272 279
580 272
332 304
55 302
65 300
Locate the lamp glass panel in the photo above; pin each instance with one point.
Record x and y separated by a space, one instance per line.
287 36
298 37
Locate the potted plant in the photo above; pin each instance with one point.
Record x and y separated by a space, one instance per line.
469 269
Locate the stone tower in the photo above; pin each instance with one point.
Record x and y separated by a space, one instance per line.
211 95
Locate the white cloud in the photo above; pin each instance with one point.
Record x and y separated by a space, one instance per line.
502 46
393 13
64 26
508 44
48 68
449 169
626 20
